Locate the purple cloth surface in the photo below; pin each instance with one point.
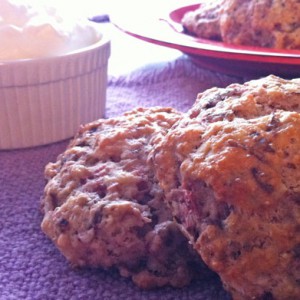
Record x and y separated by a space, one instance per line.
30 265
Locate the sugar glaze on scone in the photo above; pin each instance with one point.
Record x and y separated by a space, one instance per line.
104 208
234 184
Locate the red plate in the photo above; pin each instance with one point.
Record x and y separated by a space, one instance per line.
164 28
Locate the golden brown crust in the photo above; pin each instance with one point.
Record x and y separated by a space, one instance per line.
103 207
233 184
271 24
229 170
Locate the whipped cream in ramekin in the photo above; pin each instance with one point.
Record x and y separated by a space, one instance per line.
32 29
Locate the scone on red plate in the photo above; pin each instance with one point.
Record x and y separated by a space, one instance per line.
204 22
263 23
104 208
234 184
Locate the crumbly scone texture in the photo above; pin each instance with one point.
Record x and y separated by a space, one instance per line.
103 207
263 23
234 184
204 22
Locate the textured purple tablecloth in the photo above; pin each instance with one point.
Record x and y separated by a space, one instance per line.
30 266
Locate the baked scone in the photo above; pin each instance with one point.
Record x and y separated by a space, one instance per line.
263 23
234 184
104 208
205 21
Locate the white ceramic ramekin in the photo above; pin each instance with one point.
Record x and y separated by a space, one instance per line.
45 100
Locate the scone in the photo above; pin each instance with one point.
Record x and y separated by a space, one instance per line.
263 23
234 184
205 21
104 208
